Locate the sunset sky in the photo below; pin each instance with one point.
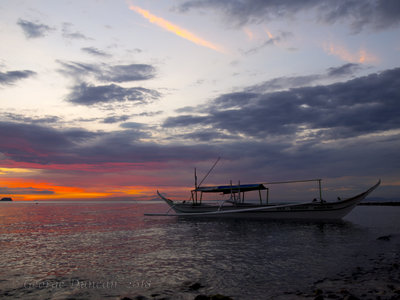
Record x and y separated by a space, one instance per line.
114 99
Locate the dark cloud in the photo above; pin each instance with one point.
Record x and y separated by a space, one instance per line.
205 135
185 120
10 77
116 119
377 14
24 191
357 107
124 73
24 119
133 125
123 118
78 70
86 94
287 82
36 144
148 114
34 29
30 143
105 73
347 69
267 158
95 52
279 159
284 83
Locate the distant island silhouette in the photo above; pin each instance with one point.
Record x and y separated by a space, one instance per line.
390 203
6 199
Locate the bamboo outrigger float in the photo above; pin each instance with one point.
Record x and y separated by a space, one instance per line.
235 206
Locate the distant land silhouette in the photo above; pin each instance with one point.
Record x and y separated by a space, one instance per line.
381 201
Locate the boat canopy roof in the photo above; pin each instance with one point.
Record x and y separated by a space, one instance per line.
227 189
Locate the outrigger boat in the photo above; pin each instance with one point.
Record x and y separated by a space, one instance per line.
235 206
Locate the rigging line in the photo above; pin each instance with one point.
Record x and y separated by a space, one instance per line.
209 171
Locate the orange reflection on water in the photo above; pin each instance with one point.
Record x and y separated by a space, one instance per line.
64 238
69 216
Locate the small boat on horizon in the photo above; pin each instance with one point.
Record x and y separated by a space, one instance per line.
235 206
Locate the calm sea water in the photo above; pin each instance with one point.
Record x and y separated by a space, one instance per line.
110 250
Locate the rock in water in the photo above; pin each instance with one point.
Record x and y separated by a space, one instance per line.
384 238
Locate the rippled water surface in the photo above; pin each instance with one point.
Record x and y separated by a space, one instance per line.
100 250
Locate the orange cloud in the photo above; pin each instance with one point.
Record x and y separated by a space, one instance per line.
249 33
270 36
362 56
174 28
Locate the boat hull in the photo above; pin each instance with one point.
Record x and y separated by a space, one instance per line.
303 211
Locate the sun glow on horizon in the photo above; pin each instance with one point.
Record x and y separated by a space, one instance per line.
20 189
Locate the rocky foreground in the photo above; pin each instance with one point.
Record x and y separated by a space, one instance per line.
377 279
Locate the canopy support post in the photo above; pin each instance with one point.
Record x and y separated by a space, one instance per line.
239 199
320 190
232 197
195 185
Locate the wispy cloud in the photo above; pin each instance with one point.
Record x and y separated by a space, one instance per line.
108 73
95 52
68 33
272 40
361 56
7 78
86 94
179 31
249 33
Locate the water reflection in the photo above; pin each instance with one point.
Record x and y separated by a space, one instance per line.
72 242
